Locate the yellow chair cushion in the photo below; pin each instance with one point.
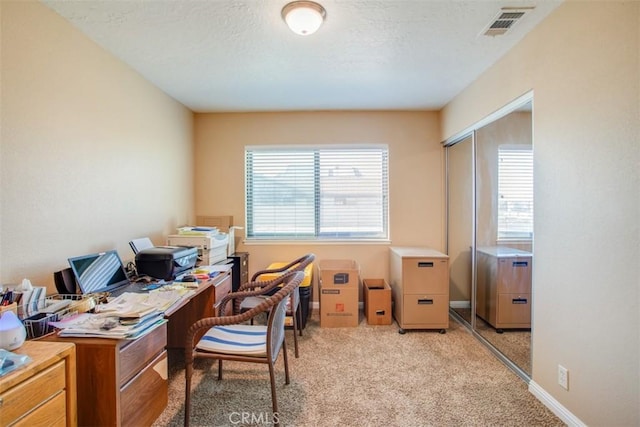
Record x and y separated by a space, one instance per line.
307 273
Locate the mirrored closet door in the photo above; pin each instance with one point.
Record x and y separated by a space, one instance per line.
460 224
490 233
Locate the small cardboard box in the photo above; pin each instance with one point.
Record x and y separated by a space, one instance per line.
339 307
377 301
339 273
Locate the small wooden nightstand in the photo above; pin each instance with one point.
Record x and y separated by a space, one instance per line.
43 392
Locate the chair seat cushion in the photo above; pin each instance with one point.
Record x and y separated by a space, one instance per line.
246 340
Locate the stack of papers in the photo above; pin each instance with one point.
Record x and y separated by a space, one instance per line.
104 326
198 231
127 316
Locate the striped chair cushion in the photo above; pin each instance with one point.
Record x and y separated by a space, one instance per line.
246 340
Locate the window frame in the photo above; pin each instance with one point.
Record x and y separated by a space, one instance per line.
318 236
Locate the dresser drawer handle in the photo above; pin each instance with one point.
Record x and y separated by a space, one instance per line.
425 301
520 263
422 264
519 301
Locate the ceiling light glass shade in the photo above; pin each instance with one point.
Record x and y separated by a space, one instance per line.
303 17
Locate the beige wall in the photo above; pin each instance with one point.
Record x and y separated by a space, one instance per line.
582 63
92 155
415 174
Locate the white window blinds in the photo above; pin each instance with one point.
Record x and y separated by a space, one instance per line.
317 193
515 193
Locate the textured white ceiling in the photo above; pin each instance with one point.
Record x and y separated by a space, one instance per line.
238 55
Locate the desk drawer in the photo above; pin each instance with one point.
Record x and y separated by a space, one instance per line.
135 355
150 389
30 394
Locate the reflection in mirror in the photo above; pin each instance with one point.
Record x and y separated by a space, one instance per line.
460 224
504 235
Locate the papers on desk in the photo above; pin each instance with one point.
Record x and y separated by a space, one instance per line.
127 316
104 326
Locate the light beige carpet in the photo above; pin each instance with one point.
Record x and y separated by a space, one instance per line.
364 376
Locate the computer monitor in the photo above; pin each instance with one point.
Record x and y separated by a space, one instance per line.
100 272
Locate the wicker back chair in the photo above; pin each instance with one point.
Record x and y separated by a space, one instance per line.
230 338
268 287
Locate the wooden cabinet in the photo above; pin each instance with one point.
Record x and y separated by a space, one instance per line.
504 287
120 382
419 279
44 391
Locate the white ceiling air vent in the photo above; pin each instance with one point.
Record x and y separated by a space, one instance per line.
505 20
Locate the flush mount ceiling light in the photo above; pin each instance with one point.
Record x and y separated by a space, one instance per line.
303 17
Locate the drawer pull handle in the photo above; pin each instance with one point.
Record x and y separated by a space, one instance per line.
520 263
425 301
519 301
379 312
422 264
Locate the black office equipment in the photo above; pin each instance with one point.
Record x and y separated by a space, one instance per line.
166 262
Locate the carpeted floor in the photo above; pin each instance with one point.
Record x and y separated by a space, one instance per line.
364 376
515 344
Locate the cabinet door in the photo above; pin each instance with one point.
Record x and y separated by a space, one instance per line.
425 275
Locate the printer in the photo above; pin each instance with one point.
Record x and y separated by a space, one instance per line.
165 262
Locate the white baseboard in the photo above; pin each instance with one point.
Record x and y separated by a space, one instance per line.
550 402
460 304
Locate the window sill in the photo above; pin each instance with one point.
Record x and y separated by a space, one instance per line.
252 242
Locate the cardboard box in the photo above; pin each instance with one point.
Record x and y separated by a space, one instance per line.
339 307
377 301
221 222
339 274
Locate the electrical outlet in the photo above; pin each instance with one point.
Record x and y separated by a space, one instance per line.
563 377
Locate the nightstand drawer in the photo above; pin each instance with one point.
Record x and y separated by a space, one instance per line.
30 394
50 414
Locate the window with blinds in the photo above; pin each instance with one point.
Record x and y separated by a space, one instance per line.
515 193
309 193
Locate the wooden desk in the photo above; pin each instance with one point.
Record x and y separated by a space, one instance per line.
204 303
125 382
42 392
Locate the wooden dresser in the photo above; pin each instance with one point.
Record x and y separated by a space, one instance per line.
419 279
42 392
121 382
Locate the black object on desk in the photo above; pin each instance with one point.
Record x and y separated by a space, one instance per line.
239 269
